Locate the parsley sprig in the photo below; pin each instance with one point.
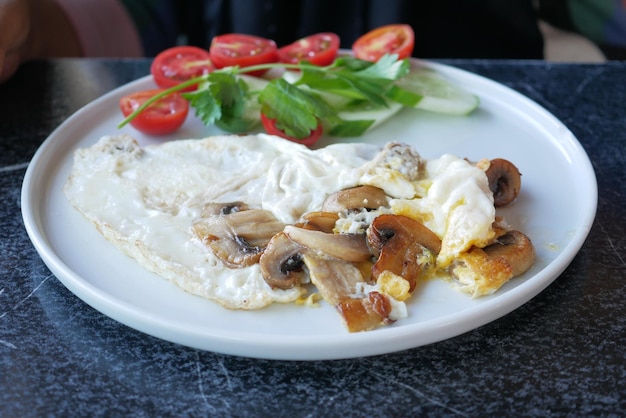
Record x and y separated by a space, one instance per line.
222 98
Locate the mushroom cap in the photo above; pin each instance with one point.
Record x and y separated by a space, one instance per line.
349 247
281 263
368 197
516 248
403 246
505 181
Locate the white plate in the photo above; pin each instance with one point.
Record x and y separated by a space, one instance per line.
556 209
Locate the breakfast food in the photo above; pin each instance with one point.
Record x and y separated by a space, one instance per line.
248 221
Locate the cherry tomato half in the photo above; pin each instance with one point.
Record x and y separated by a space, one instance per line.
178 64
160 118
390 39
318 49
243 50
272 129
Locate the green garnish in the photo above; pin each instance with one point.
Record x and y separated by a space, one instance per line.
222 98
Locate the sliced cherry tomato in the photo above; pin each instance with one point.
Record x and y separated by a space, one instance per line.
160 118
390 39
243 50
178 64
272 129
319 49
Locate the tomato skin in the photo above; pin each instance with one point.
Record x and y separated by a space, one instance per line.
390 39
272 129
243 50
180 63
318 49
162 117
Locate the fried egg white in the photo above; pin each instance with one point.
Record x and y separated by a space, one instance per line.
453 200
146 199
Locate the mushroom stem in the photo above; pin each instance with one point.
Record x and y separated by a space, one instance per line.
321 221
349 247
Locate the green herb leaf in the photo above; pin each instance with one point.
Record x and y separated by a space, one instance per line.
222 101
354 78
350 128
207 107
233 94
404 97
331 83
297 112
354 64
387 67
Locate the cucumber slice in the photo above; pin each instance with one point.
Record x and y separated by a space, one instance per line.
358 120
429 90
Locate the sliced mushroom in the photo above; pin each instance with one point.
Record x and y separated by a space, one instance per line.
238 238
516 248
349 247
281 263
320 221
337 281
505 181
365 313
482 271
286 264
403 246
368 197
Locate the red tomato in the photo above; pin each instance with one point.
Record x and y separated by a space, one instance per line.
390 39
160 118
272 129
319 49
178 64
242 50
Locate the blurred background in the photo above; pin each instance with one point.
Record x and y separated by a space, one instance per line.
565 46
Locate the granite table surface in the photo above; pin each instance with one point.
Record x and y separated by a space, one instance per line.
560 354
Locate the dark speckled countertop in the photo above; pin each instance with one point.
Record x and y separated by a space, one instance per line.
561 354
